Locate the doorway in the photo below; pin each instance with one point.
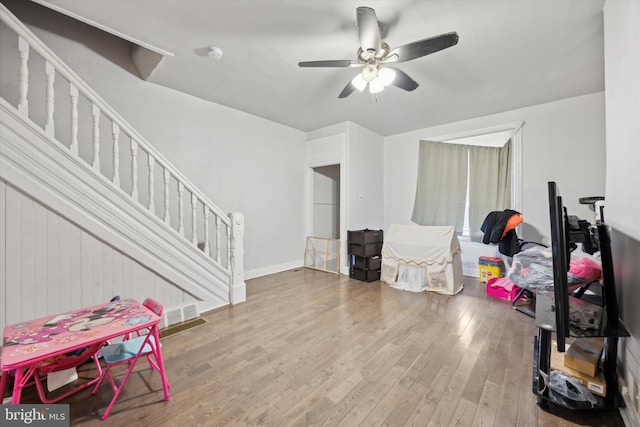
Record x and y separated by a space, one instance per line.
326 201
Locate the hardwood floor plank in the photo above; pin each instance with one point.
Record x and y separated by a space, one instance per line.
368 402
422 384
396 366
309 348
440 409
509 401
437 406
464 413
488 405
391 398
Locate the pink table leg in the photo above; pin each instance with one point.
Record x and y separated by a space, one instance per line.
158 354
3 383
17 386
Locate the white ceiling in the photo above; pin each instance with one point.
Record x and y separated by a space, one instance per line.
510 54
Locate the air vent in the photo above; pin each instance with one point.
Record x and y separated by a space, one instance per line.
174 316
190 311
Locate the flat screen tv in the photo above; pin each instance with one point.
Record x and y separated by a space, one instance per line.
560 257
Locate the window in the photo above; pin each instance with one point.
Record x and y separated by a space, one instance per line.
467 176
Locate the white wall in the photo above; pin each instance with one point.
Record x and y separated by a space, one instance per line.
622 49
622 204
563 141
328 131
241 162
365 175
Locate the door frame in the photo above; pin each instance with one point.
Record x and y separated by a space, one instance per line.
328 151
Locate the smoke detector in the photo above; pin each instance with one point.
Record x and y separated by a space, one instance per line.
215 53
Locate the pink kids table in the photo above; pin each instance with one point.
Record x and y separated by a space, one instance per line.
37 347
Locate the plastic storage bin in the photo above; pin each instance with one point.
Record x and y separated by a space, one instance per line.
500 292
365 275
489 267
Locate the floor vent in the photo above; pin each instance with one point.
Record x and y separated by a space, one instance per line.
179 327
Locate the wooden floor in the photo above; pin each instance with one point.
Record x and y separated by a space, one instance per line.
311 348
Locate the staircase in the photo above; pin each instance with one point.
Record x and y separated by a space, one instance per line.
71 166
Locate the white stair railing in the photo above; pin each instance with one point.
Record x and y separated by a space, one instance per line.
107 143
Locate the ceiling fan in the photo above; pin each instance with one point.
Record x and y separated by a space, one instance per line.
374 56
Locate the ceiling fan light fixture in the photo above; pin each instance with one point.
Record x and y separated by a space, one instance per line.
369 72
393 57
376 86
359 82
374 54
386 76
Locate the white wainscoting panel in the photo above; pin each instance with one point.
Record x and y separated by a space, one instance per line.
50 265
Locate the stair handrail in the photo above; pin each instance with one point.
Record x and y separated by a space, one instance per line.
28 40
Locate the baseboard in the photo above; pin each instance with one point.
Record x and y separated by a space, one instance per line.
470 272
238 293
265 271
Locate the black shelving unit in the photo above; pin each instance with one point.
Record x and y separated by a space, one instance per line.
610 331
364 249
557 311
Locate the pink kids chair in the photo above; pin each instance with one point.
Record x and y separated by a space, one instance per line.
129 351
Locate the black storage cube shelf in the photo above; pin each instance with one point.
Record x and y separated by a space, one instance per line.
364 274
364 236
364 248
372 263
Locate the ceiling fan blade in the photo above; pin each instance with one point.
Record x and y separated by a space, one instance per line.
403 81
329 63
348 90
368 29
423 47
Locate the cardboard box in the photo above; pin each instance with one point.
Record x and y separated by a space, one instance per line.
583 355
595 384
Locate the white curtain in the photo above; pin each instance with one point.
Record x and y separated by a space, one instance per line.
411 278
442 184
489 184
